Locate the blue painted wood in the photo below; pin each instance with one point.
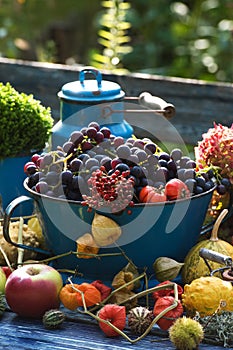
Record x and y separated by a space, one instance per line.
80 333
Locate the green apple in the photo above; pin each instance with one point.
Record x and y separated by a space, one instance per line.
2 281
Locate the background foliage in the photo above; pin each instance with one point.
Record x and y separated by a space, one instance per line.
189 38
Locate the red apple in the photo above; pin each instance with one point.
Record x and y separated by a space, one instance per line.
33 289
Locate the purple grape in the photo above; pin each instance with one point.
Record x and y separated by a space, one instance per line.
139 144
76 137
189 173
171 165
83 131
91 132
176 154
52 178
94 125
115 161
42 187
183 161
226 182
106 132
164 156
86 145
143 181
99 137
91 162
221 189
161 174
137 171
180 174
209 184
150 148
132 160
83 157
141 154
68 147
200 181
66 177
118 141
75 164
122 167
191 184
123 151
190 164
106 162
162 163
153 160
199 190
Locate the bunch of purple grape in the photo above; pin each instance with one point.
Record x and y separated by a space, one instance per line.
68 172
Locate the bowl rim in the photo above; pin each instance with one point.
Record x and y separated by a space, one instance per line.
137 205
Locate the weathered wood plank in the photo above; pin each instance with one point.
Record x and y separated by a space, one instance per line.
18 333
198 104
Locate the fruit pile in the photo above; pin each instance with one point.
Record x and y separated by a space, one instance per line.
100 169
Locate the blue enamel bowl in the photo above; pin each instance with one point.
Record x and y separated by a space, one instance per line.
150 231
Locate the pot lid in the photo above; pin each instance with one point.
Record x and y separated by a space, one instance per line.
94 90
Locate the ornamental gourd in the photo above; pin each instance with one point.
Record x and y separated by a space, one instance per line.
194 265
207 295
53 318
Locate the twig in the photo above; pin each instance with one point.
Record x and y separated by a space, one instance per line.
140 294
6 258
20 241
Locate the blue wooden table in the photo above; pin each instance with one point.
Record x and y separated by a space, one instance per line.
75 333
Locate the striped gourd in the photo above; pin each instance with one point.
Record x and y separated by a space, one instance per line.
2 304
53 318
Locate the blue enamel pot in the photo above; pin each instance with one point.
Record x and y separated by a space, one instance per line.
151 230
83 98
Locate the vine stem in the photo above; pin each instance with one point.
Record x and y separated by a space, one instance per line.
214 234
6 258
140 294
55 257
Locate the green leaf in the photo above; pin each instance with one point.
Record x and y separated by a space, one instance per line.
122 40
124 25
104 42
108 4
124 49
124 5
100 58
105 34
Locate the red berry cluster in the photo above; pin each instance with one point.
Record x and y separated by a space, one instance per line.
114 191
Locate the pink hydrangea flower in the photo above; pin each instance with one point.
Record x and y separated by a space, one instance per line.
216 148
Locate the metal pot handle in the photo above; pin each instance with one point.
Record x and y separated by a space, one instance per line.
93 71
6 224
154 102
